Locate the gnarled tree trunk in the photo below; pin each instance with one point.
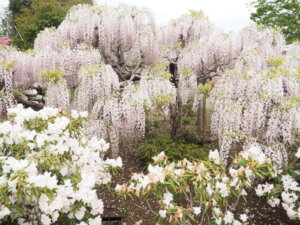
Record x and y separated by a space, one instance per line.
201 117
176 116
176 108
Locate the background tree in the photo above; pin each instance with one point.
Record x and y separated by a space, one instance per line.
6 24
29 17
279 14
15 6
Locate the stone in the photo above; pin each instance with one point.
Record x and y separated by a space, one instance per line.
24 98
30 92
37 97
35 102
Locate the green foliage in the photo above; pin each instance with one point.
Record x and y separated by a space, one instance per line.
294 162
192 14
72 94
187 109
188 121
161 100
159 70
92 69
178 45
152 123
279 14
275 61
197 14
30 21
185 71
52 76
15 6
277 70
18 92
67 4
8 65
290 104
204 88
175 150
32 16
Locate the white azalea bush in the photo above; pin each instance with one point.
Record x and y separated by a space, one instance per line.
284 189
191 191
48 170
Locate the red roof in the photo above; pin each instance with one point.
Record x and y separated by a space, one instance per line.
5 41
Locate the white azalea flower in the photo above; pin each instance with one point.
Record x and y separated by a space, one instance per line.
215 156
167 198
162 213
45 219
4 211
243 217
196 210
298 153
228 218
273 202
80 213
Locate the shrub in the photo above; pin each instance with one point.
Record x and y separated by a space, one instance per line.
48 170
188 121
153 123
175 150
188 191
188 107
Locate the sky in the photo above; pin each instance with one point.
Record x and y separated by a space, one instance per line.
230 15
3 3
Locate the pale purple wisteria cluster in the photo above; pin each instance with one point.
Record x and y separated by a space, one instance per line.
49 170
103 52
126 32
260 102
88 59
